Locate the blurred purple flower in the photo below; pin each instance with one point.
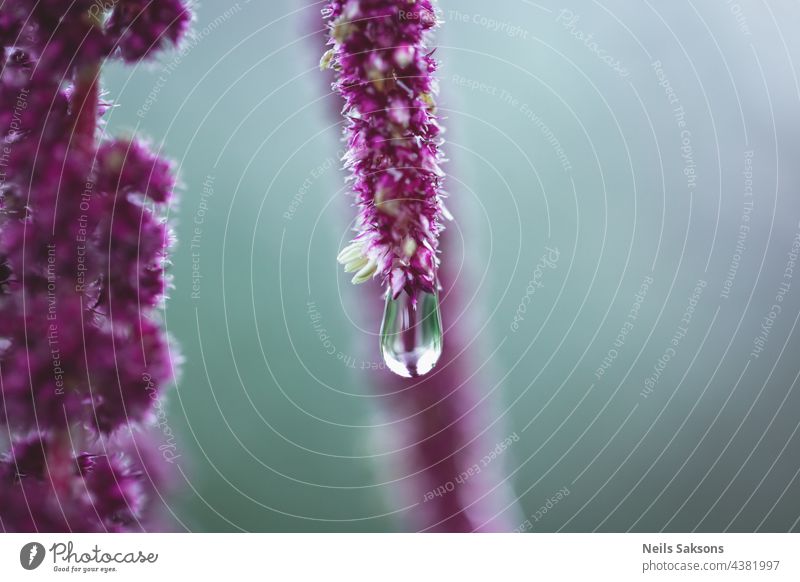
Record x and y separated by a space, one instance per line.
142 27
50 489
83 248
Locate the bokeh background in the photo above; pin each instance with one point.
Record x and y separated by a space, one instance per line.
649 150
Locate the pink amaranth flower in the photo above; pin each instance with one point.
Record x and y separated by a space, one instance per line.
83 250
384 72
441 425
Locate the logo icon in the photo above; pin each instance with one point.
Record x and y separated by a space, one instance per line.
31 555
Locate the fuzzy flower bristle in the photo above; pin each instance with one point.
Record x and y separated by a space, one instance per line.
385 73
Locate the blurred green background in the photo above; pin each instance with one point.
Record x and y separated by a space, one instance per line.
637 139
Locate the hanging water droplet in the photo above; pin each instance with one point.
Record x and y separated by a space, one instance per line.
411 339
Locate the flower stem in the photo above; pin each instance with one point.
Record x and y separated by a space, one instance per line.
86 100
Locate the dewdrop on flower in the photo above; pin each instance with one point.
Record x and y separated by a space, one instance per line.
384 72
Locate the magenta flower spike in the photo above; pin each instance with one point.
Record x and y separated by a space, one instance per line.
384 72
444 424
83 251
